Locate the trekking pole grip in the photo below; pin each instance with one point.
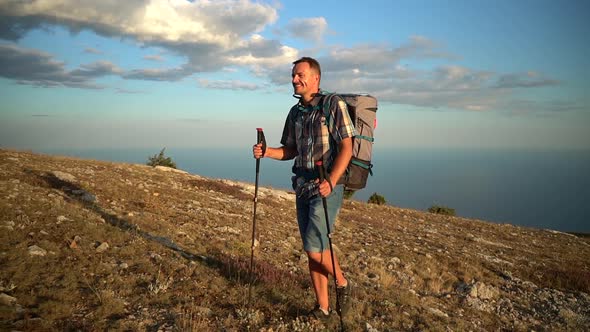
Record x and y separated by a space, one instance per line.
320 166
259 140
259 135
322 173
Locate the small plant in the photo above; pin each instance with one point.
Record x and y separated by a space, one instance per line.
161 160
376 199
348 193
160 285
7 288
439 209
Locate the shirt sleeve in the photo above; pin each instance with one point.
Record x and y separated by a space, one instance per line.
288 138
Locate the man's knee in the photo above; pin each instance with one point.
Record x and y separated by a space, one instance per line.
316 257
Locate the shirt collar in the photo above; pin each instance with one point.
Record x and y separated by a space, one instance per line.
313 104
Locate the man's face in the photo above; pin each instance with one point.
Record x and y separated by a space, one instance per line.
305 80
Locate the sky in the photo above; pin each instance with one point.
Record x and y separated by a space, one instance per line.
190 74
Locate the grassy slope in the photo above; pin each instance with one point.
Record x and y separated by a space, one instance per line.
179 248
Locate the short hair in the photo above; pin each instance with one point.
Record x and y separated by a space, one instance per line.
313 64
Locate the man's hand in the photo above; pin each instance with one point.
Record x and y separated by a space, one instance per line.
257 151
325 188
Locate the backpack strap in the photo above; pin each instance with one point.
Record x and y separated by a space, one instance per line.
363 165
326 103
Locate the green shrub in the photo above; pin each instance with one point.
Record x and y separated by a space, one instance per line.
438 209
348 193
376 199
161 160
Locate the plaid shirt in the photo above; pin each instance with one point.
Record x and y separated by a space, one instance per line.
307 130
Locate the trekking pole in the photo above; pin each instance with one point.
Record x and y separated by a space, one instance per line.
259 140
321 170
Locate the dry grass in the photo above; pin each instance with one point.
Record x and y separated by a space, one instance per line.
571 277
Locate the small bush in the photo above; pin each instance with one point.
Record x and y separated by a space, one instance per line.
161 160
348 193
438 209
376 199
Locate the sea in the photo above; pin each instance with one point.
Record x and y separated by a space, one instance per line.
531 188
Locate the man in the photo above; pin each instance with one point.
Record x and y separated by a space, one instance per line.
310 136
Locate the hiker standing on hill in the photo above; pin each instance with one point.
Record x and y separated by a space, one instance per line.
306 138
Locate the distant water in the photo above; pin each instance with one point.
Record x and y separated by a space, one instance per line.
541 189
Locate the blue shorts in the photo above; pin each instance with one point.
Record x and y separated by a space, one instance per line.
312 220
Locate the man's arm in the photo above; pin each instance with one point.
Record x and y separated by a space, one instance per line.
280 153
339 166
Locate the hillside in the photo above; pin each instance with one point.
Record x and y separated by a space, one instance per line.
91 245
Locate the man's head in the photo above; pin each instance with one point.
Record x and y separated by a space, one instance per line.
305 77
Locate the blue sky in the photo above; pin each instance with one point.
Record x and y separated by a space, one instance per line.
149 74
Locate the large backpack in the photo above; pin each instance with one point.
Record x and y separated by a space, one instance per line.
362 109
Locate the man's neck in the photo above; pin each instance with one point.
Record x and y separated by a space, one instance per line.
306 100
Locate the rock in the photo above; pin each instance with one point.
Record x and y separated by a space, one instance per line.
66 177
170 169
203 311
437 312
369 328
372 276
7 300
123 266
37 251
102 247
84 195
8 227
61 219
75 242
483 291
303 258
88 198
227 229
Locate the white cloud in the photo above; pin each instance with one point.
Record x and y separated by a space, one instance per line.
154 57
219 22
529 79
159 74
97 69
210 34
311 29
33 67
228 85
91 50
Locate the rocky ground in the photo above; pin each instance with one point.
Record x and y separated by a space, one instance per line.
91 245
